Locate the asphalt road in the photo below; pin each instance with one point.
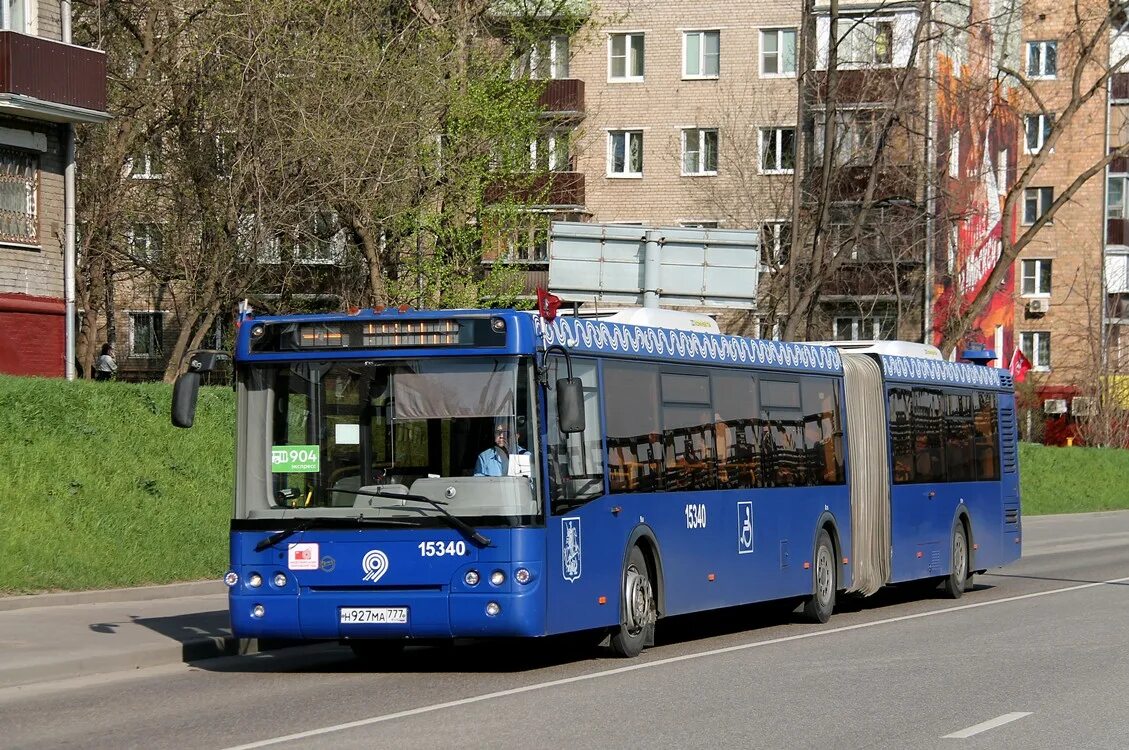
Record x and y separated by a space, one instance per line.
1036 657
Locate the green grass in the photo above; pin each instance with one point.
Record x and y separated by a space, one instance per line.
1072 480
102 491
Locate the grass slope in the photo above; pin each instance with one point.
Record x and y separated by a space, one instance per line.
102 491
1072 480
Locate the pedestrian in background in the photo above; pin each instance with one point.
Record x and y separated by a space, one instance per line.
105 368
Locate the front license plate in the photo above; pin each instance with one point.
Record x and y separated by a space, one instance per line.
375 615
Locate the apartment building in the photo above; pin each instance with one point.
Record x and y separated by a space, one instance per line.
46 85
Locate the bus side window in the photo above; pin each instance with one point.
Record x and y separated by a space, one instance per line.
576 461
928 435
959 464
987 438
901 434
736 409
631 400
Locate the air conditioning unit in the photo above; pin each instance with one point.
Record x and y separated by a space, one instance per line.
1038 306
1054 406
1083 406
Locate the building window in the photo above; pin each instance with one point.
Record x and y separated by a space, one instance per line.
19 181
954 154
146 164
549 152
776 243
1036 278
862 329
19 15
529 244
866 41
1036 346
625 153
778 150
145 334
547 59
701 54
778 52
856 135
1115 198
1042 59
625 57
1036 201
1038 129
145 242
699 151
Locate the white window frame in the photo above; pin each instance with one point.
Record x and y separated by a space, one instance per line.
954 153
1032 268
699 223
1030 343
1043 197
313 250
1041 46
779 149
700 170
771 255
779 34
1120 210
1046 123
860 34
628 134
29 218
700 75
30 24
133 320
557 159
556 49
857 325
627 77
145 240
141 164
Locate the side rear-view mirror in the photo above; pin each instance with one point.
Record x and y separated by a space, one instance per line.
186 390
570 405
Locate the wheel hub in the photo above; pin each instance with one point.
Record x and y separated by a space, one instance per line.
637 597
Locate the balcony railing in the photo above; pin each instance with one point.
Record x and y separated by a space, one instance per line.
52 73
848 183
563 96
1117 232
551 189
1119 88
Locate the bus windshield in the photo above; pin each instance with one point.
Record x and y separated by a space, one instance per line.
378 438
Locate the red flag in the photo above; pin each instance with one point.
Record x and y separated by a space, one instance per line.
1019 365
547 303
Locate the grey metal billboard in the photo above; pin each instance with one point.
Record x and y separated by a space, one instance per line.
653 266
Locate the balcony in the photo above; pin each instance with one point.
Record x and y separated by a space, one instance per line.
1117 232
869 86
562 97
47 80
1119 88
563 189
848 183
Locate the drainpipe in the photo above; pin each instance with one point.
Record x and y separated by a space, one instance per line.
68 221
651 268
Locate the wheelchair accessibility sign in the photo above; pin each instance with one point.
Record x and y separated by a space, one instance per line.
744 527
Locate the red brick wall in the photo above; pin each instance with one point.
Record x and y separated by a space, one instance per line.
32 335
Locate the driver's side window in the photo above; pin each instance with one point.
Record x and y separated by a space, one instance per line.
576 461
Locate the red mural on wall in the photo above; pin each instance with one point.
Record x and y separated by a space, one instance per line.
975 116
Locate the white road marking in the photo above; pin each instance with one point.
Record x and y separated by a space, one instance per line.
652 664
984 726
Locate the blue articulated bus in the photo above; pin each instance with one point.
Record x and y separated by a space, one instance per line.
406 474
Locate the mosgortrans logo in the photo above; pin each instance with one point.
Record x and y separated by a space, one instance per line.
375 565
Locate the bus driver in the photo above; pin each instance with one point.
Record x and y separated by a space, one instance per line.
495 460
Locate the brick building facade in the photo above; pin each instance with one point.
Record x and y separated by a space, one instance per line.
45 85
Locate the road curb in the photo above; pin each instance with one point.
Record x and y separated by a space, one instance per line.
136 594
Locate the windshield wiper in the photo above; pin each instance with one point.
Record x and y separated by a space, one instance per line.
469 531
329 522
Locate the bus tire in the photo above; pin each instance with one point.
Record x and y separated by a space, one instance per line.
819 606
638 611
954 583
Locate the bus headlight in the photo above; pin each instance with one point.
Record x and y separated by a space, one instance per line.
254 580
523 576
472 578
258 611
497 578
231 578
279 579
493 608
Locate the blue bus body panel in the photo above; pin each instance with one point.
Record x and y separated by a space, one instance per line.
440 604
769 564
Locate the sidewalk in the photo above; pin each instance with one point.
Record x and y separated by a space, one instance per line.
56 636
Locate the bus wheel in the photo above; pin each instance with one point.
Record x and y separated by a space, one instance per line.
955 582
637 618
819 605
